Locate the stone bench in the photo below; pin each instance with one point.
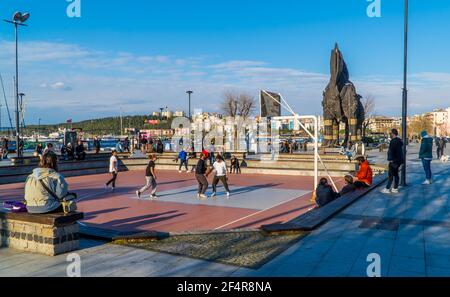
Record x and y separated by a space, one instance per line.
316 217
48 234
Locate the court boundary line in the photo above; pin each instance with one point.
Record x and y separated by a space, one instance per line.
260 211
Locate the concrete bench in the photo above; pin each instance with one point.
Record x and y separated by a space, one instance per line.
48 234
316 217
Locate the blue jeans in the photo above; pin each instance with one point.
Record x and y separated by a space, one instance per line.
427 167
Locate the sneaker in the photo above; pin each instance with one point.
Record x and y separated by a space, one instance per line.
203 196
154 196
228 194
138 194
395 191
427 182
386 191
213 194
198 195
179 171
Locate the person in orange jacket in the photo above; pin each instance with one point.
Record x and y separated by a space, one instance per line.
364 176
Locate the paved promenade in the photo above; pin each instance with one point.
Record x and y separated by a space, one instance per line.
412 239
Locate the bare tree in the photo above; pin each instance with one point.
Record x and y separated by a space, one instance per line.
238 104
368 103
419 124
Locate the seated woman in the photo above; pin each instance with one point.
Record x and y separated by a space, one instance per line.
324 193
39 199
349 185
364 176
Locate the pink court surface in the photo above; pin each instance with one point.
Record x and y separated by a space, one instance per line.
255 200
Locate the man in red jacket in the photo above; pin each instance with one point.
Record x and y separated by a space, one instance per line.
364 176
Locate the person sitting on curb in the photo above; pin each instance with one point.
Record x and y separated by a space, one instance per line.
325 193
39 199
364 177
426 155
349 185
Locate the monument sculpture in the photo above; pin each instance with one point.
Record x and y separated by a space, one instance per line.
341 104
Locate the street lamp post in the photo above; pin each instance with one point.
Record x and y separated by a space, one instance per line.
39 129
18 20
405 97
189 94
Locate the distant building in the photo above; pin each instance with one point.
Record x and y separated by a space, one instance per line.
382 124
179 113
167 114
441 121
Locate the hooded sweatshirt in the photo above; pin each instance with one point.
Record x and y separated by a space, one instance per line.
426 147
37 198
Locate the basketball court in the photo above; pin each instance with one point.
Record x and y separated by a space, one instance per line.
255 200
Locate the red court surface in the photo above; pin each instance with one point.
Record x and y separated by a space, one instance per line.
256 200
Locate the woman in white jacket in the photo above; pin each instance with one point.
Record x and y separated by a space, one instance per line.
220 169
38 199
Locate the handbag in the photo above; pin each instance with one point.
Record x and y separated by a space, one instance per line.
69 205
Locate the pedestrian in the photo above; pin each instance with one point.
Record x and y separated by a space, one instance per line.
45 187
48 148
426 155
150 177
211 151
441 144
79 151
395 158
349 185
97 145
235 167
201 173
325 193
220 169
113 170
183 158
39 151
364 177
144 143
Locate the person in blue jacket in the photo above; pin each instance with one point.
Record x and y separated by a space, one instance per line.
426 155
182 156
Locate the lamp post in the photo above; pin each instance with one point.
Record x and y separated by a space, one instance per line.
405 96
39 130
189 95
18 20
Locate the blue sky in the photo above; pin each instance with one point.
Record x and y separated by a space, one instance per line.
141 55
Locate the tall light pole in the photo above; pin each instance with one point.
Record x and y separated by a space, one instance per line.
18 20
405 96
39 130
189 94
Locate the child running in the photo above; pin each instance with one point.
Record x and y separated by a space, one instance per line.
220 169
150 176
113 169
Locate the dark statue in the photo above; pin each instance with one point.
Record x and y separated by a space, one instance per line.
341 104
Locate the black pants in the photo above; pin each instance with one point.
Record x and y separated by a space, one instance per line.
185 163
393 175
112 180
216 180
360 185
202 183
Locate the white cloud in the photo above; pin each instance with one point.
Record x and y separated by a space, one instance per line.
101 82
